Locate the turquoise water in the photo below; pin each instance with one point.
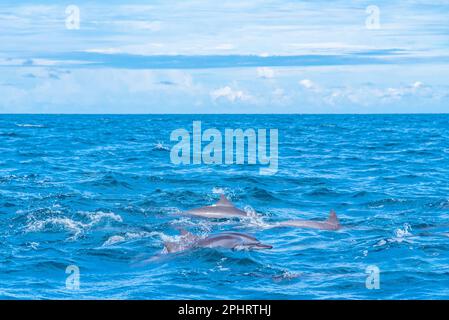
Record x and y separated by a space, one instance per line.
100 193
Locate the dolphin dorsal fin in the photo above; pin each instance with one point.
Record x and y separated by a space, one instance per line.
169 246
224 202
333 218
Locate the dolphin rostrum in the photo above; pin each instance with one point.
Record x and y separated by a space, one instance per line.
230 240
331 223
221 209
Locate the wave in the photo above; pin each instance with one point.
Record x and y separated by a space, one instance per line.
262 194
440 204
53 224
323 192
75 227
112 240
112 180
388 201
360 194
401 234
14 135
28 125
160 147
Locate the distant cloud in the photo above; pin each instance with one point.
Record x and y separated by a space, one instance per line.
416 88
104 50
307 84
229 94
417 84
265 72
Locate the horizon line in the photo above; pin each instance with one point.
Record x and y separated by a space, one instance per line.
211 114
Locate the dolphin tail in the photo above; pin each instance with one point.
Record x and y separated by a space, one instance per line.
224 201
333 220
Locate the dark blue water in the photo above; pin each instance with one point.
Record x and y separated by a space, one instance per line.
100 193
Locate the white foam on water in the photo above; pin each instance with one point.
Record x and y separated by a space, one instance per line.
28 125
254 219
400 235
130 236
181 242
287 275
96 217
160 146
33 245
113 240
73 226
217 190
203 225
229 193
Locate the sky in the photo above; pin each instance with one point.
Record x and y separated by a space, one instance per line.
192 56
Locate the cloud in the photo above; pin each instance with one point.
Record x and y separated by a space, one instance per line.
307 84
104 50
417 88
417 85
229 94
40 90
265 73
372 95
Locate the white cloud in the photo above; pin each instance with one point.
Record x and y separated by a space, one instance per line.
104 50
265 72
416 88
229 94
417 85
124 90
307 84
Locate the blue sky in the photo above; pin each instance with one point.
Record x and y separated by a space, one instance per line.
225 57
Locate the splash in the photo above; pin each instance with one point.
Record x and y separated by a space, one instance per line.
130 236
404 232
254 219
400 235
160 147
217 190
75 227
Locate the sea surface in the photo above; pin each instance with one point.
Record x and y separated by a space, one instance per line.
99 193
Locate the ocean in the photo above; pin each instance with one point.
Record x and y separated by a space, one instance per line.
94 197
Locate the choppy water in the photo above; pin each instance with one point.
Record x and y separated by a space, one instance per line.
99 192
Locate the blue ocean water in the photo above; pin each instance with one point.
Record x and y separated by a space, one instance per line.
99 192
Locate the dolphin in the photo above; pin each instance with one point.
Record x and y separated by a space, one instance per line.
221 209
331 223
230 240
